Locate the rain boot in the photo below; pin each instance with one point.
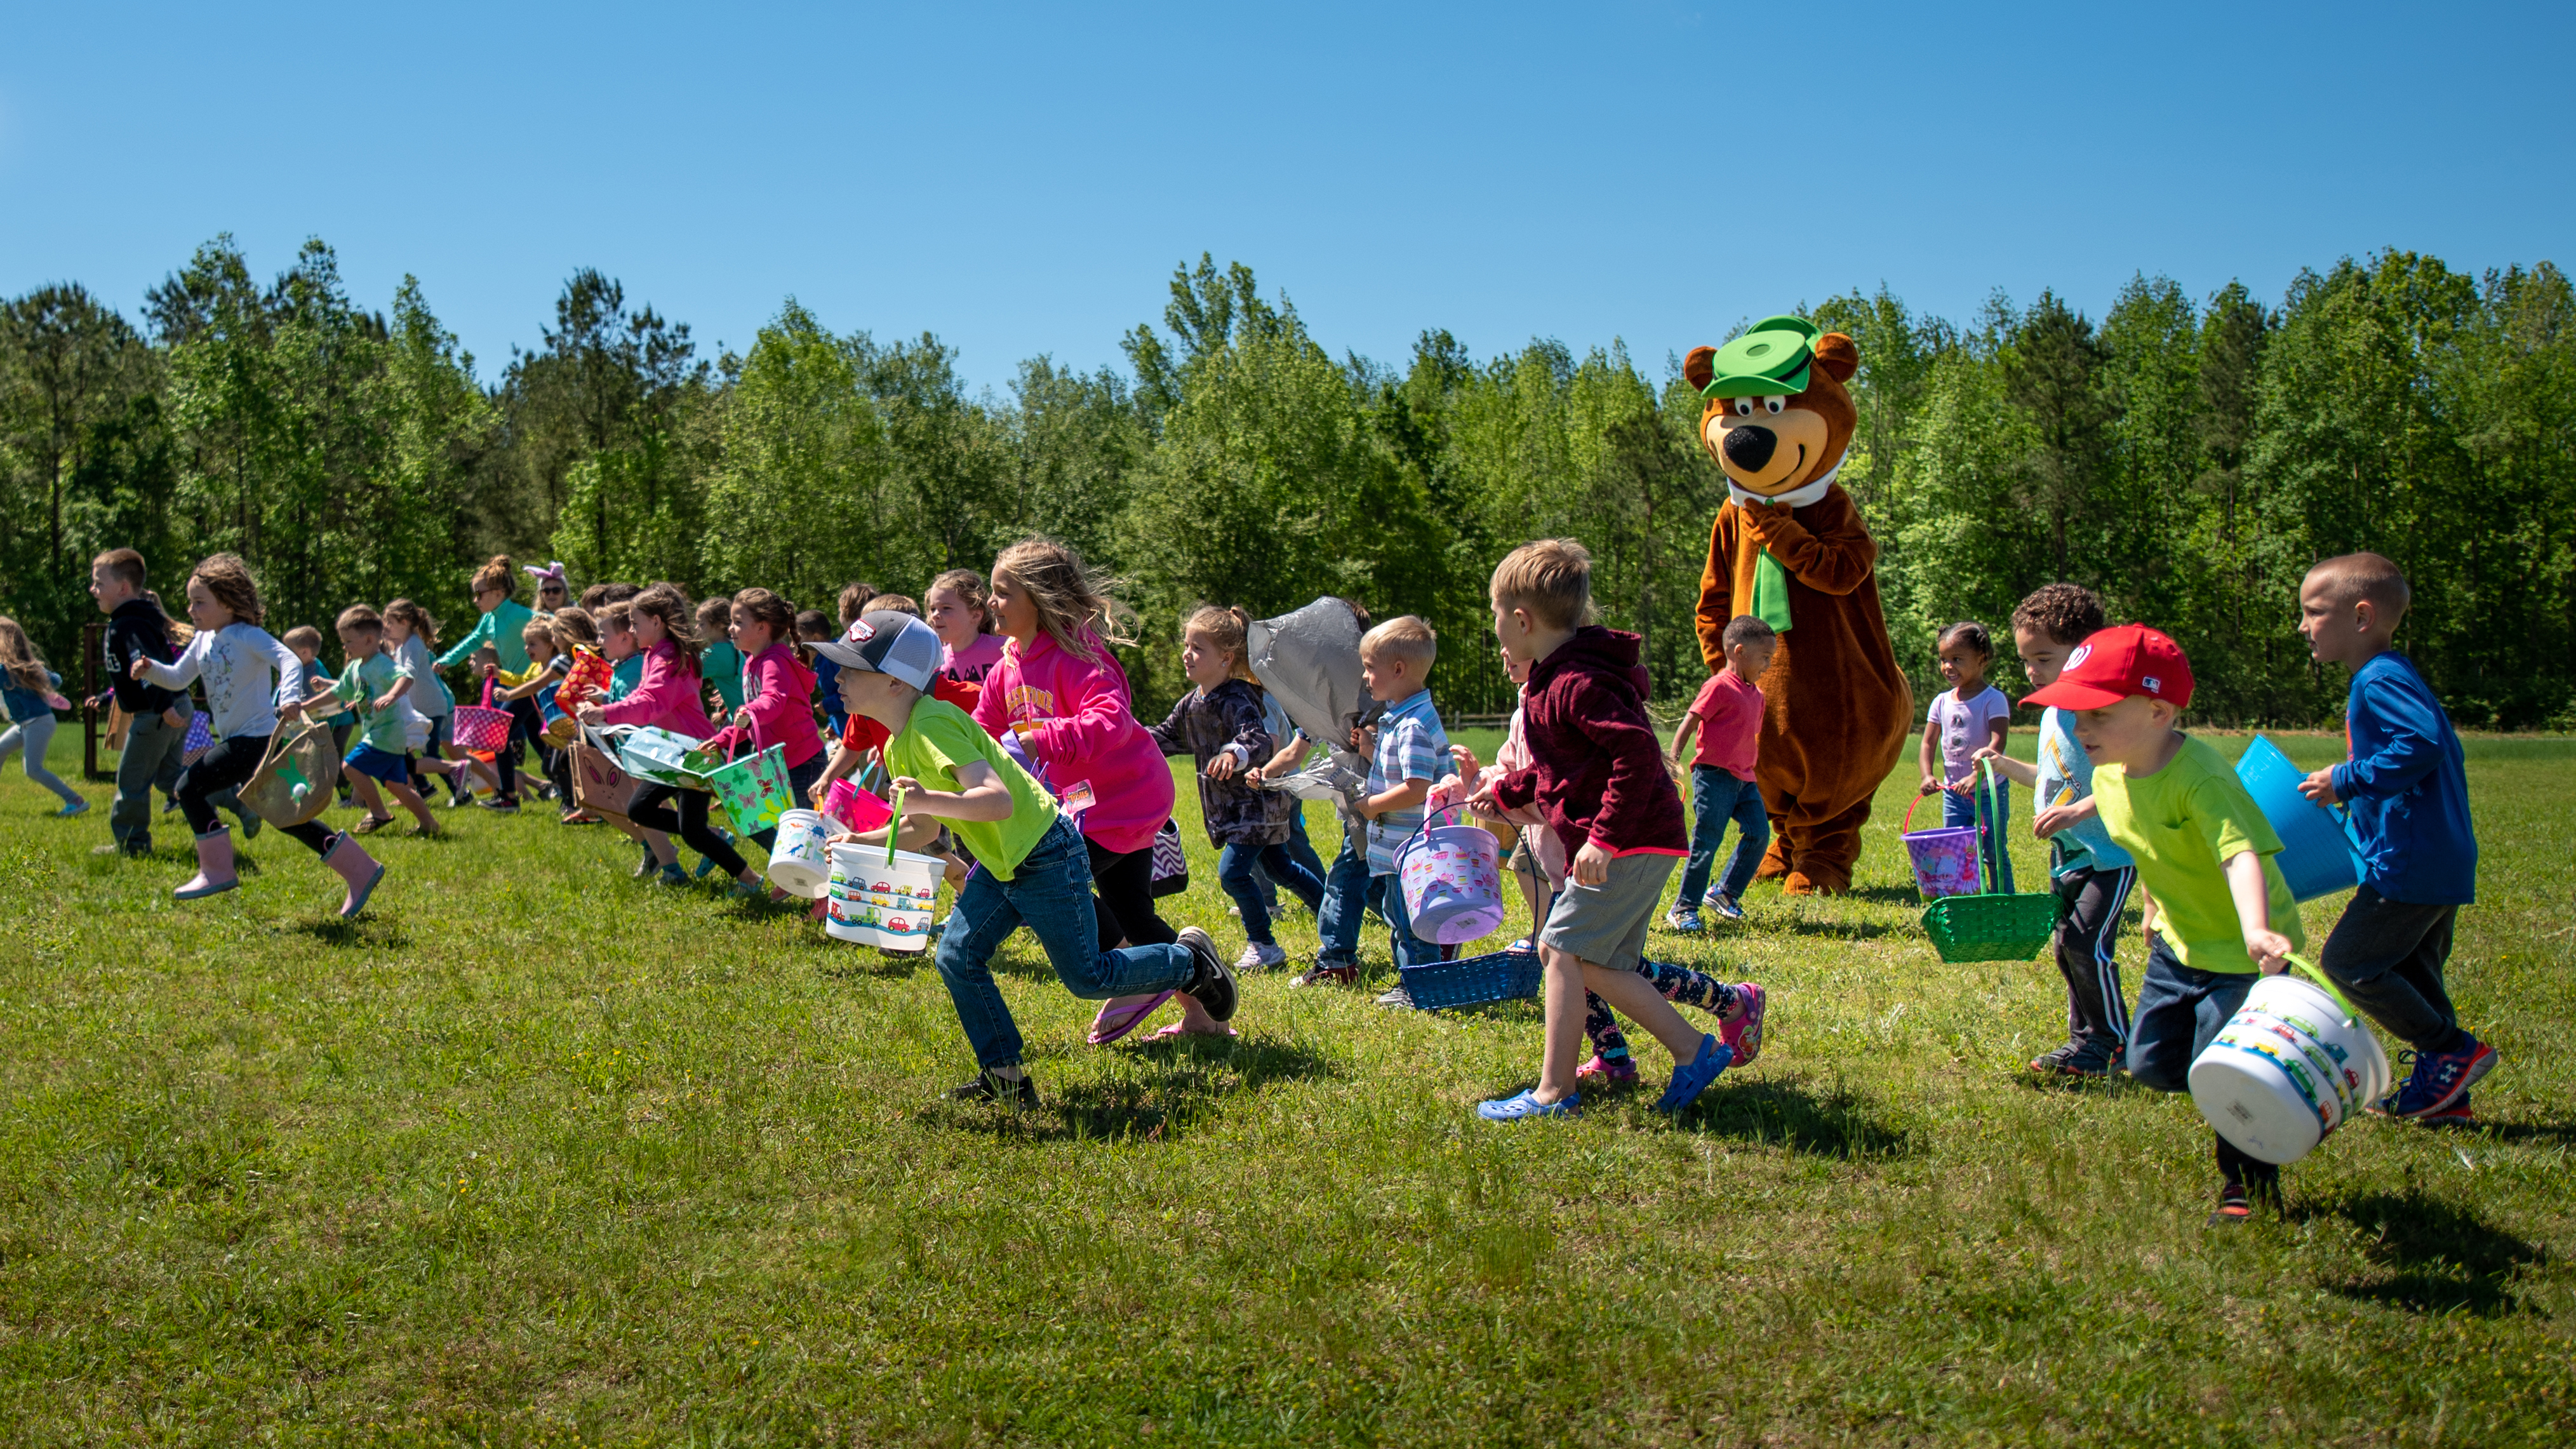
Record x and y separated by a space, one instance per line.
356 867
214 866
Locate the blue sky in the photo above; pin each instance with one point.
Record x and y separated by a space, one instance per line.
1022 180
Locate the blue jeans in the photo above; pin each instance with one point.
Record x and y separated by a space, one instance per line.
1347 891
1971 809
1234 871
1716 798
1050 894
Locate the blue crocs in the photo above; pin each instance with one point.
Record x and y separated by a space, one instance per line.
1688 1082
1526 1105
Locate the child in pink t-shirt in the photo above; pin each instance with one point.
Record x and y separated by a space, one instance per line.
1728 719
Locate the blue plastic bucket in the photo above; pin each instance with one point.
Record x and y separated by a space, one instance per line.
2316 857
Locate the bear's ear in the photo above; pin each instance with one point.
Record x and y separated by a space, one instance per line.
1837 356
1699 367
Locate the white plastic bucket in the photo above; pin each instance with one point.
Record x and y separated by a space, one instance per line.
881 903
797 863
2289 1068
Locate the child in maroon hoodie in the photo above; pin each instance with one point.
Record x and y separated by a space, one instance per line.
1597 778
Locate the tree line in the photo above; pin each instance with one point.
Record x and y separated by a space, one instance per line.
2186 458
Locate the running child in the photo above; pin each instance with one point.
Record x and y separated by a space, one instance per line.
777 687
1219 724
502 629
1409 753
2408 788
156 719
2217 910
1727 717
410 636
720 660
30 691
1597 779
241 665
669 697
957 609
372 686
813 626
1035 866
548 659
1968 716
305 643
2090 873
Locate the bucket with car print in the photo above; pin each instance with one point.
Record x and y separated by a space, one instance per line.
881 898
2293 1064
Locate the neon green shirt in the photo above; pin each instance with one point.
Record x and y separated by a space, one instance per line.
935 741
2181 825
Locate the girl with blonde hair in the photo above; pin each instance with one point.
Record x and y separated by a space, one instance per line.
28 689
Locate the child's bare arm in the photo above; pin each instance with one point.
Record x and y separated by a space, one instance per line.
1403 797
2026 776
1930 758
2253 896
1682 734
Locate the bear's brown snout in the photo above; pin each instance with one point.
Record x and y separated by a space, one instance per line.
1750 448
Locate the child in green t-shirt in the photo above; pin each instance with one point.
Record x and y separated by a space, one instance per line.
1031 866
2217 910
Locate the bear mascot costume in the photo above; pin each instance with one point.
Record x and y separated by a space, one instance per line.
1789 547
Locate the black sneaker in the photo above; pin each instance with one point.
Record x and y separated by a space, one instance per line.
1212 986
2050 1063
2094 1058
991 1086
2235 1206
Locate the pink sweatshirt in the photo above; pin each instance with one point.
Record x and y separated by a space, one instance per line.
779 692
667 698
1086 734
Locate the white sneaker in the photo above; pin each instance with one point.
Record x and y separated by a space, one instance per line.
1258 957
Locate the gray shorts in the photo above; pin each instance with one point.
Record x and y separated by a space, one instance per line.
1606 925
1522 862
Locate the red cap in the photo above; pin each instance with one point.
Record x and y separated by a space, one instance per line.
2113 664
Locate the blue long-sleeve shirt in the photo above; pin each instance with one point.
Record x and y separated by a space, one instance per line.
2408 787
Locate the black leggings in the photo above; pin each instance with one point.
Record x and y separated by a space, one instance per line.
689 823
226 767
1124 888
526 727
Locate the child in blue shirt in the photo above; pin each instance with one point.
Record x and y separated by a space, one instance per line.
2408 788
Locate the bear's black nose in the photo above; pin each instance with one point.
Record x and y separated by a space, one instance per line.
1750 448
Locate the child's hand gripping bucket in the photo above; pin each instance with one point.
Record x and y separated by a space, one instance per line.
1945 860
754 790
881 897
1994 924
1453 881
2316 859
799 861
481 727
2293 1064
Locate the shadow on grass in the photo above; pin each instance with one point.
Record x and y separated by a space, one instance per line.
2543 1132
1835 1123
2435 1255
368 930
1196 1076
1884 895
1861 930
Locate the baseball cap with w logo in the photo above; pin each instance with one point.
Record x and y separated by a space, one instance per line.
887 642
2113 664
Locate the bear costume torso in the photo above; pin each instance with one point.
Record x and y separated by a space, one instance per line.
1837 710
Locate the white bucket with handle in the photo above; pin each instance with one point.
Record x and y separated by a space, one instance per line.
881 898
2294 1063
798 863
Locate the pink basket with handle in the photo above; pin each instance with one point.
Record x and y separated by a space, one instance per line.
855 809
1945 860
1453 881
481 727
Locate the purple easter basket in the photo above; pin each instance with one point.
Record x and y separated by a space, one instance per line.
1453 881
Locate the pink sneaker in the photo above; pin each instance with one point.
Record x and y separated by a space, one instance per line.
1619 1071
1744 1033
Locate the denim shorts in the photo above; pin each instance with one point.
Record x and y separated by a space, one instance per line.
1606 924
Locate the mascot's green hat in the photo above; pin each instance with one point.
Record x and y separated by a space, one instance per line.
1770 359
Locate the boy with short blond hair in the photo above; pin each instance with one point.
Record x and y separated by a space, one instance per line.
2217 909
1411 751
1596 778
2408 788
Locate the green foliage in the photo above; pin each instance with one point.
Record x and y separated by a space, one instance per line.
2186 459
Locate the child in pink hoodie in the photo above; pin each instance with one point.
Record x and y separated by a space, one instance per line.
668 697
1060 692
777 694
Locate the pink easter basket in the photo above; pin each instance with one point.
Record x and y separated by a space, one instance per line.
481 727
1453 881
1945 860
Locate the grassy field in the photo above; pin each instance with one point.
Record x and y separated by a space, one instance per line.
532 1154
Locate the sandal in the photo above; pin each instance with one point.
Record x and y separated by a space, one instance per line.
371 825
1116 1021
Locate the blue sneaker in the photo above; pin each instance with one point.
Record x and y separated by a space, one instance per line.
1721 906
1689 1081
1525 1105
2439 1079
1683 919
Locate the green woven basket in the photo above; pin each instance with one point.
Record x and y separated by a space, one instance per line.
1996 925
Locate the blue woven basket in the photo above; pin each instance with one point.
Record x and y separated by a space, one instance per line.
1501 976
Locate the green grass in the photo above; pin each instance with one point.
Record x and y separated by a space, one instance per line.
533 1155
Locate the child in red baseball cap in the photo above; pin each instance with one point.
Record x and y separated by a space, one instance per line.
2217 910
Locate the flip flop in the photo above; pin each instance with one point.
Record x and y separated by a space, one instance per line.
1116 1021
1176 1030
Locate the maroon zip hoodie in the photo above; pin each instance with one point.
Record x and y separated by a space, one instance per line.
1596 769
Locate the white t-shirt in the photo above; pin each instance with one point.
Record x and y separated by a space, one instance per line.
1965 726
240 664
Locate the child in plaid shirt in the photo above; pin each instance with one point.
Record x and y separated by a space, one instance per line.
1411 752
